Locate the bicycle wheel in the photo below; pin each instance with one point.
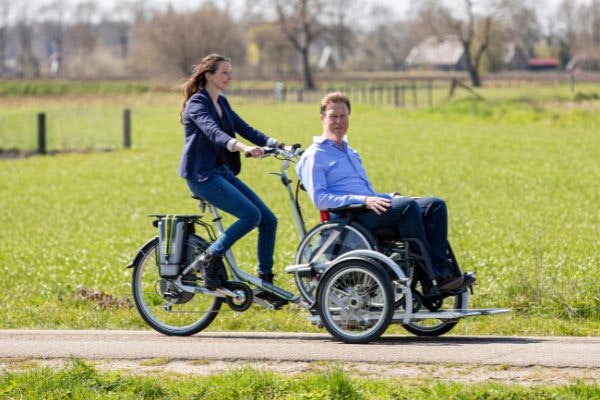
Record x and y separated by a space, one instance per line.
165 308
352 237
355 301
433 326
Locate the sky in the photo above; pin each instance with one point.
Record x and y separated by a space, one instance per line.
401 7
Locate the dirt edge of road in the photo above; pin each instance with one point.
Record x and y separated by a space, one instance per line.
408 372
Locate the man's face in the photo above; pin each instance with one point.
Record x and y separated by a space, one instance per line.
335 119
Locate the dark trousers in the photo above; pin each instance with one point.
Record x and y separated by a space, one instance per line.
424 219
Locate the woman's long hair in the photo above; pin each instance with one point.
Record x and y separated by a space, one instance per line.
197 79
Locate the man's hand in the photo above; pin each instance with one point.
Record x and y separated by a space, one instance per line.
377 204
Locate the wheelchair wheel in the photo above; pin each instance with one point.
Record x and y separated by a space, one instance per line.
433 326
162 305
352 237
355 301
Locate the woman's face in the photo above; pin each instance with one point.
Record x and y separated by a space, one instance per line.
222 76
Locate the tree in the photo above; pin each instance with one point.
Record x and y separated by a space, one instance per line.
169 44
270 51
474 33
81 40
27 61
299 20
53 24
5 12
520 24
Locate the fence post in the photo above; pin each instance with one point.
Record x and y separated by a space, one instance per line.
430 87
42 133
127 128
300 96
414 90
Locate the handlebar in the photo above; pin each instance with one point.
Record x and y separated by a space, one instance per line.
286 153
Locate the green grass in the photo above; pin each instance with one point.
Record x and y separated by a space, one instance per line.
520 178
80 380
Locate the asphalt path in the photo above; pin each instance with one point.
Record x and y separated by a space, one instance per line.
577 352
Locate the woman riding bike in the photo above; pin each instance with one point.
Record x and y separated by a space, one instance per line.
210 162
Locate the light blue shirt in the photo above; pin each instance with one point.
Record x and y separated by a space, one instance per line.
333 176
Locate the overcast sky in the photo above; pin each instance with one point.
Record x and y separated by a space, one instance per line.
401 7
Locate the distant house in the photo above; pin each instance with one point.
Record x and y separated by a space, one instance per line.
515 58
440 53
542 64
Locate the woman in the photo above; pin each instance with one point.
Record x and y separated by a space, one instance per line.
210 162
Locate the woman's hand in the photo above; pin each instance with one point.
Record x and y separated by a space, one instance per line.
377 204
254 151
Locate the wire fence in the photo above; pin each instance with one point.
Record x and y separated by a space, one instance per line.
102 128
415 93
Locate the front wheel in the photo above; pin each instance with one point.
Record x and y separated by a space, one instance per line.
161 304
355 301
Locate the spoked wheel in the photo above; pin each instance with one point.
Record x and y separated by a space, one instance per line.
351 237
435 326
162 305
355 301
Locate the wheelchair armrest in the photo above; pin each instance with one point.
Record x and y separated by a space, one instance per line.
350 208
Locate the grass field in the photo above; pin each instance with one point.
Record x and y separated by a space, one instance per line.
81 380
520 173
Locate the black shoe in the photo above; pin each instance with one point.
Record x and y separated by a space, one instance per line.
267 277
432 292
457 284
275 300
210 265
450 282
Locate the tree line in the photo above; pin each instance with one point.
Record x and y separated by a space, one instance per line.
279 39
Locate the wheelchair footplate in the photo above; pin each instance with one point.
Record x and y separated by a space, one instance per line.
449 315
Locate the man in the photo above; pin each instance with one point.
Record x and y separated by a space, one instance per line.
333 175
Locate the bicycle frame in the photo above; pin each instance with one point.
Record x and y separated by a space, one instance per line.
238 273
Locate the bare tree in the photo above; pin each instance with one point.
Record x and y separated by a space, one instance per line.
171 43
53 26
81 40
473 49
299 20
589 32
341 32
274 52
520 24
5 12
566 26
27 61
474 33
386 41
123 16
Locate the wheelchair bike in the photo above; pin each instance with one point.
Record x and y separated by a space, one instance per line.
353 282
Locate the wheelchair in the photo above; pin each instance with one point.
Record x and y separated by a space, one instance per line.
335 237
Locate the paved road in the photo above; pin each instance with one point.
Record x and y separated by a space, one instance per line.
134 345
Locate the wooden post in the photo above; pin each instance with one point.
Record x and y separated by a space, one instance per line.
300 95
42 133
127 128
414 90
430 87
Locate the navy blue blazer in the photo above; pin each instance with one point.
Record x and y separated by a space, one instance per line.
204 136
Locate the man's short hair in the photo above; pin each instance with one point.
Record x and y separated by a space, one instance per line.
334 97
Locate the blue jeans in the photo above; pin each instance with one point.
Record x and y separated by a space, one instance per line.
226 192
424 219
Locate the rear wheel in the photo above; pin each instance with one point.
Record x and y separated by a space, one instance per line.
163 306
355 301
434 326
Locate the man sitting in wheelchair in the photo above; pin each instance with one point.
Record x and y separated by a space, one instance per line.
333 176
